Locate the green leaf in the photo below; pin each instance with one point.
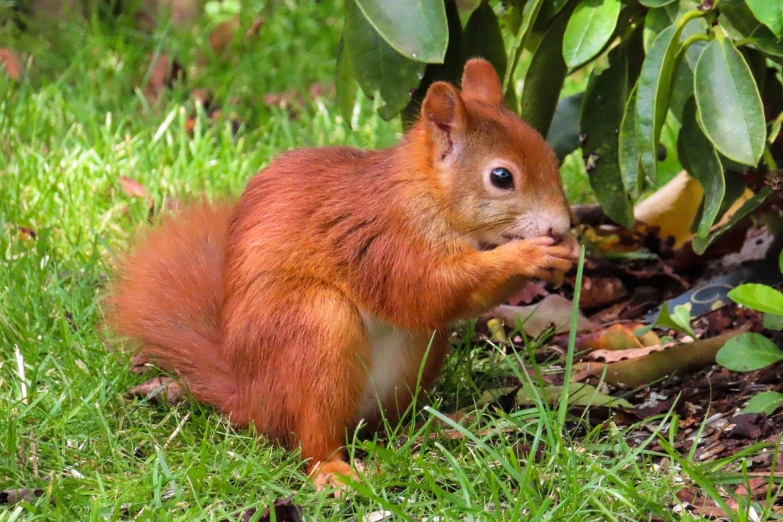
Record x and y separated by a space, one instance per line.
766 402
416 29
679 319
769 13
758 297
483 38
739 22
748 352
700 159
563 134
628 149
345 83
773 322
602 114
729 103
700 245
652 97
657 3
657 20
529 16
377 66
544 78
449 71
589 29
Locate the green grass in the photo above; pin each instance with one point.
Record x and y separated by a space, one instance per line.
67 133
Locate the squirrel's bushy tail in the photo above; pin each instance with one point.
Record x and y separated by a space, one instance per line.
167 294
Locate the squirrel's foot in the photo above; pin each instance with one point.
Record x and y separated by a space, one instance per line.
329 475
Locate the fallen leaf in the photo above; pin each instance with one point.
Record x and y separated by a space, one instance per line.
579 394
601 291
758 488
164 73
529 292
553 311
158 390
747 426
680 358
14 496
610 356
133 188
672 208
28 233
221 36
377 516
618 336
10 62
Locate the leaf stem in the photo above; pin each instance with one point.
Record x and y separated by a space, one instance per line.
769 160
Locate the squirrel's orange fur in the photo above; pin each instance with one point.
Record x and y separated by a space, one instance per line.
316 296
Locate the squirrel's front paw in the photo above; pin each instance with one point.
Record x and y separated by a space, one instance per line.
544 258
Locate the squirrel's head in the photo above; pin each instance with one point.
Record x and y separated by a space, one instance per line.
494 175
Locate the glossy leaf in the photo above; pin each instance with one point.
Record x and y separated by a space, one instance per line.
700 245
652 97
679 319
657 3
748 352
739 22
701 160
602 114
766 402
416 29
449 71
484 39
758 297
544 78
628 149
378 67
589 29
658 19
769 13
563 133
345 84
773 322
729 102
529 16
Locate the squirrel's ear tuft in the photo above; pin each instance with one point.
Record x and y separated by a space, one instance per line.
480 81
445 114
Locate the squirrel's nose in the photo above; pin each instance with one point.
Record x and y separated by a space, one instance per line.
557 236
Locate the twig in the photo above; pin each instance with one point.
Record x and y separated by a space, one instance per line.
23 382
176 430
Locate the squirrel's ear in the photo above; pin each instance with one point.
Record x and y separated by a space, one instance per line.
481 81
445 114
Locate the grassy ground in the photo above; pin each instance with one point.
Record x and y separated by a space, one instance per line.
66 135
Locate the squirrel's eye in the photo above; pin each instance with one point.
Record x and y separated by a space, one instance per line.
502 178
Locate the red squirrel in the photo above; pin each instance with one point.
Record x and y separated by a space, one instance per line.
308 306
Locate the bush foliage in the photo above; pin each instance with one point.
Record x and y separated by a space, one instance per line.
715 66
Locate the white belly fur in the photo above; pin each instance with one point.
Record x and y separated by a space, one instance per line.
388 347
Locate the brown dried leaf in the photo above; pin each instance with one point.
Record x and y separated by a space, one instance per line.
164 72
680 358
526 295
553 311
255 28
158 390
616 337
611 356
600 291
222 34
14 496
133 188
10 62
